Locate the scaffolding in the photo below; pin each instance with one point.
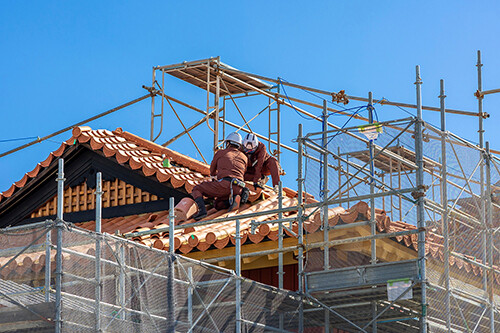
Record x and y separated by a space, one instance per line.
56 277
420 255
408 171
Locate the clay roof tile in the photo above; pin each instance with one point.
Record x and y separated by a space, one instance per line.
77 131
60 150
9 192
84 137
33 173
47 161
109 150
95 143
20 183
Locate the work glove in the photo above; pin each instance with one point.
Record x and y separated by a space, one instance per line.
255 185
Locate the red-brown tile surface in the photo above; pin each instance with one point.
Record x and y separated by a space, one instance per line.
138 153
146 156
220 235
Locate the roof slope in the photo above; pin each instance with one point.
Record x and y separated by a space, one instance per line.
147 158
128 149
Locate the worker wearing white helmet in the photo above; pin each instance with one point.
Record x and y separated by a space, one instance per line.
260 163
227 170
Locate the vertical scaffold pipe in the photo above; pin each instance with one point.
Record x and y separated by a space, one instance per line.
444 203
324 190
373 224
420 201
121 281
489 230
59 226
278 122
280 239
98 221
170 280
479 66
216 105
280 247
237 268
48 244
190 298
300 181
153 107
482 213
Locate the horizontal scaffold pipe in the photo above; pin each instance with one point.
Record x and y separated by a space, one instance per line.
253 254
474 262
185 64
364 238
250 324
121 240
270 212
117 265
476 298
227 122
438 208
389 123
362 99
318 244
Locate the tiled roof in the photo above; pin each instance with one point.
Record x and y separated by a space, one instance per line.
147 157
221 235
139 154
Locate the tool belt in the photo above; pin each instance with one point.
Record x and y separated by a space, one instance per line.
237 182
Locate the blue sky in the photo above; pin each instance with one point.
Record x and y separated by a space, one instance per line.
61 62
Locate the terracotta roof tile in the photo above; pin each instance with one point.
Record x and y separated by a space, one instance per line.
140 154
146 156
9 192
84 137
47 161
33 173
20 183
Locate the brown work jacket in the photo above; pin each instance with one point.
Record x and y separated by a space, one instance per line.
256 161
229 162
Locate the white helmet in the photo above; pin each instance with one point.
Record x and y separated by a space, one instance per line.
250 143
234 138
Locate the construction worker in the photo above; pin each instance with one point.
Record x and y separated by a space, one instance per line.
260 163
227 169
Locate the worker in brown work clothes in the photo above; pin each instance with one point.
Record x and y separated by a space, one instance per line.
227 169
260 163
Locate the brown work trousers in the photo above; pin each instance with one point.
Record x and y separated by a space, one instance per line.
270 167
215 189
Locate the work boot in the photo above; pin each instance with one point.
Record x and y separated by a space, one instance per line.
202 210
235 204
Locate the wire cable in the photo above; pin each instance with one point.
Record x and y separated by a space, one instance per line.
20 139
315 95
37 140
289 101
